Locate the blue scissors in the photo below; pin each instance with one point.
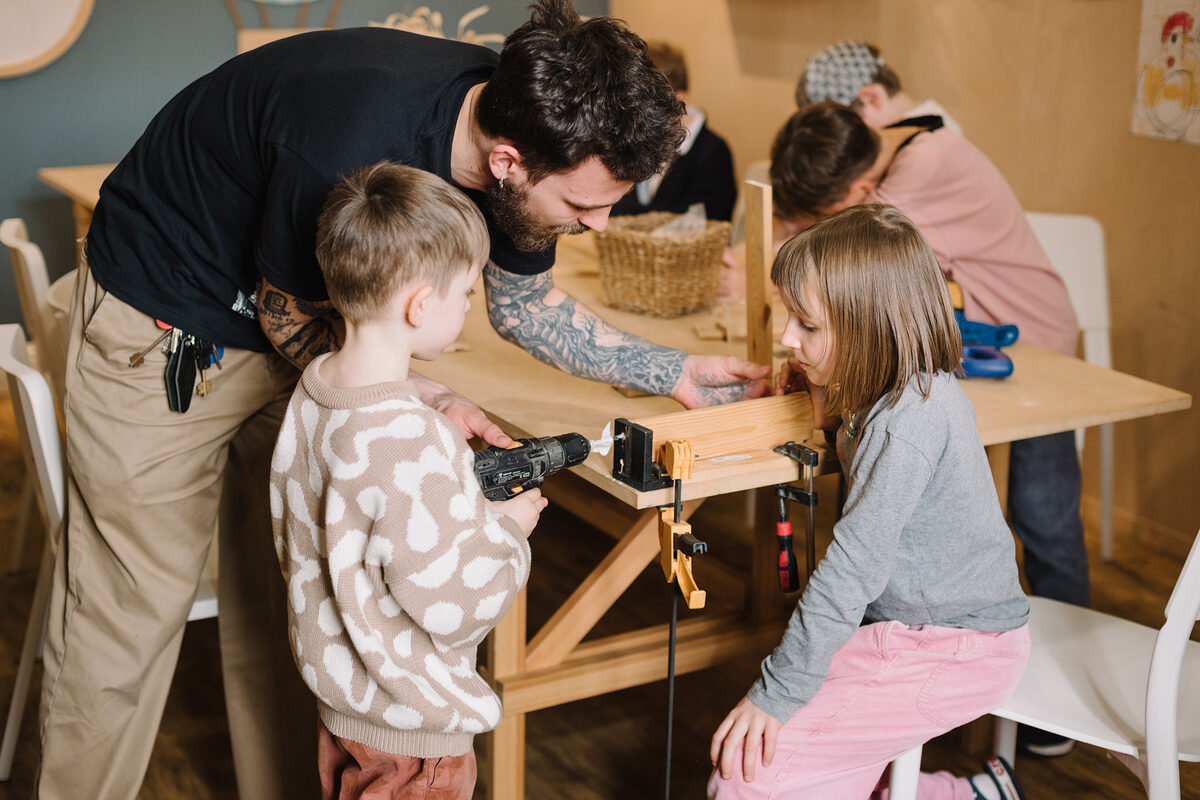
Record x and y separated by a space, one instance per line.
983 334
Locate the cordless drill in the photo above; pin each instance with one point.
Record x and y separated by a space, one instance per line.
505 473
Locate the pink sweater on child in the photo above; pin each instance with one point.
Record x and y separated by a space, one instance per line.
974 223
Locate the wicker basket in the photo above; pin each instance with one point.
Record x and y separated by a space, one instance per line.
657 275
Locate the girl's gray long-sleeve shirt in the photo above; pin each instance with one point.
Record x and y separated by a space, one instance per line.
922 541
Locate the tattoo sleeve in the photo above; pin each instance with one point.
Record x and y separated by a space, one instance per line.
552 327
299 329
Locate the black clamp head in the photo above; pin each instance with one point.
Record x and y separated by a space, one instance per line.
806 456
633 457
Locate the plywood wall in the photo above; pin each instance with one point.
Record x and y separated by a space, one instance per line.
1045 88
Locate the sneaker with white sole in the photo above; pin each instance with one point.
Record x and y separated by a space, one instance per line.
997 782
1044 744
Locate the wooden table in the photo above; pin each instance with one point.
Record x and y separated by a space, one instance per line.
82 185
1047 393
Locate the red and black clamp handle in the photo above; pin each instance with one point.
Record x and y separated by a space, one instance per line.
789 577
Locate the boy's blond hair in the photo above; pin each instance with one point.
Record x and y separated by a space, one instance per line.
886 303
388 225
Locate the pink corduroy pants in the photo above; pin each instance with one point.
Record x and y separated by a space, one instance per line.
889 689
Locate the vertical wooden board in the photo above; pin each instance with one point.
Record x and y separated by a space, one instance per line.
759 247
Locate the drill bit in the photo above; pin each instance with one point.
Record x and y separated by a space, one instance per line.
604 443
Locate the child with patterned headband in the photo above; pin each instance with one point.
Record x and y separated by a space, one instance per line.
855 74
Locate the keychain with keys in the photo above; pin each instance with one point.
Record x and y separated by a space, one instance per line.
206 354
136 359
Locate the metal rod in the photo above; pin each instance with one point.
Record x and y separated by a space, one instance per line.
810 544
671 648
671 686
678 500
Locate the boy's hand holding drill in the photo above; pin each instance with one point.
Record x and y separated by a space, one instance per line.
524 509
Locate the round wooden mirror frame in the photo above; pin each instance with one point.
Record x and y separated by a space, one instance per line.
83 13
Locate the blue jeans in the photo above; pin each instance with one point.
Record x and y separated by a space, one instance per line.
1043 507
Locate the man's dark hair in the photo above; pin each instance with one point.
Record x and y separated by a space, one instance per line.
568 89
817 154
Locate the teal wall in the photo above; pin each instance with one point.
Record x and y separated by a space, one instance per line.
91 104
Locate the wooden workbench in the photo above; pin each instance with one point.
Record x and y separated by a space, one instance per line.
1047 393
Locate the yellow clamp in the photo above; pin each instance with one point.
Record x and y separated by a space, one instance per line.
677 458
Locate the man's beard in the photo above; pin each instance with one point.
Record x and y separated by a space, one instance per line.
509 208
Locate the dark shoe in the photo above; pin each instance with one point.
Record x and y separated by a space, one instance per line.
1042 743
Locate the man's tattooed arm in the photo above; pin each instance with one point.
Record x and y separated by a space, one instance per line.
551 326
299 329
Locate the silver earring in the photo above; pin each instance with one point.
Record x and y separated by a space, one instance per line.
502 183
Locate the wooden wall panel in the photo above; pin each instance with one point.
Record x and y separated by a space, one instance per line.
1045 88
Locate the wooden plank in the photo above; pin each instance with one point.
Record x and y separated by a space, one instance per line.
613 670
737 428
592 599
759 254
699 625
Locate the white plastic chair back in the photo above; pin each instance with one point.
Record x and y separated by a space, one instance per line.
1075 246
33 287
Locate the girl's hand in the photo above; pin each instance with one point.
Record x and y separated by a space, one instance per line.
791 378
524 509
749 726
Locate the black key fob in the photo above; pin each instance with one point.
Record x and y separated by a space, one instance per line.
181 377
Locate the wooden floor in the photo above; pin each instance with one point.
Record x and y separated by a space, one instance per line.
599 749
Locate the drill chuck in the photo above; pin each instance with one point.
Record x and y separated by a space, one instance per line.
505 473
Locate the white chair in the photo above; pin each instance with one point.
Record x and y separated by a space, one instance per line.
1115 684
37 424
30 276
1075 246
906 774
33 288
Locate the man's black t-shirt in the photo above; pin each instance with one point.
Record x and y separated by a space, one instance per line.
228 180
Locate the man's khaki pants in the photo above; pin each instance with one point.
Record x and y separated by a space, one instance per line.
144 488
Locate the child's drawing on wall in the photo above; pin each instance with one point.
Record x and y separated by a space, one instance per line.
1168 91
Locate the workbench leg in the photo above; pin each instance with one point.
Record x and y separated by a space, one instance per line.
506 776
503 769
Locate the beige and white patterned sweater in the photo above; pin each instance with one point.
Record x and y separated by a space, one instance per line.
395 567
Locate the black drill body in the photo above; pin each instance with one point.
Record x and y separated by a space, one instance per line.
504 474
